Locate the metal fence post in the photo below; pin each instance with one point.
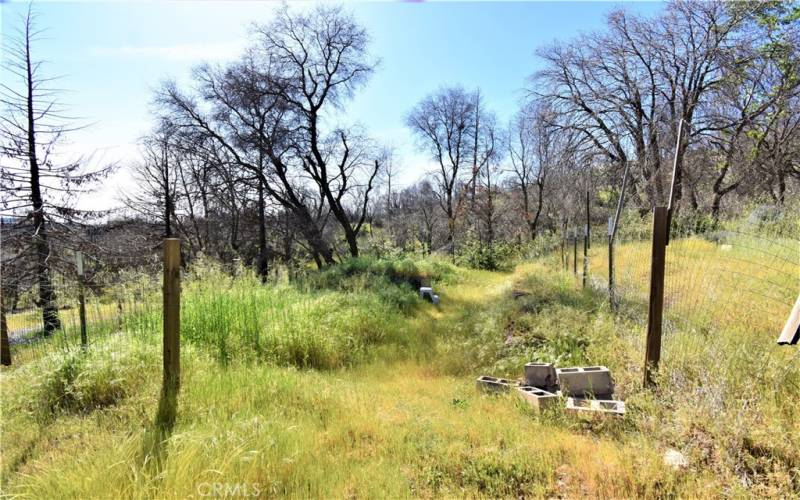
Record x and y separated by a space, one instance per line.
586 242
611 300
575 252
81 300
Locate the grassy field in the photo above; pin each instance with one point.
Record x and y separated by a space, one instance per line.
347 385
31 319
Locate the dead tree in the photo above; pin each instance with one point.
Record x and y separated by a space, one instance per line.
443 123
39 189
321 58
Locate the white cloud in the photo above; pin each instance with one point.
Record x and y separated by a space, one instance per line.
179 52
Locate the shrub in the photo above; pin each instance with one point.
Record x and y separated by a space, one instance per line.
475 254
359 273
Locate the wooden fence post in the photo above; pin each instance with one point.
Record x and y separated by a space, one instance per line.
172 311
655 312
5 347
81 300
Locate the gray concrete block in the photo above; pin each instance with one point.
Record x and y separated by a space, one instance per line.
435 300
426 293
605 406
536 398
586 381
493 384
541 375
675 459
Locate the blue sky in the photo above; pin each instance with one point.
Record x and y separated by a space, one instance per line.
112 54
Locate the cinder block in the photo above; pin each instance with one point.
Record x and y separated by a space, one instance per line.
586 381
609 406
426 293
493 384
541 375
435 300
536 398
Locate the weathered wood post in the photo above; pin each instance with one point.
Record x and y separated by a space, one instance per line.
81 300
172 311
5 346
655 311
662 221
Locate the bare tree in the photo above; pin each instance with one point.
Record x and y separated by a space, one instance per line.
537 147
321 57
443 123
489 175
628 89
267 112
156 177
37 183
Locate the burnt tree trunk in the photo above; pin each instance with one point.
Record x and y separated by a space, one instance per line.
47 295
262 264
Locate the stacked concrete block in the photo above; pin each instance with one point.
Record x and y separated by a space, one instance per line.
609 406
541 375
493 384
586 388
538 399
582 382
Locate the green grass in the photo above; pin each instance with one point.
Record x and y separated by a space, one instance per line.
346 385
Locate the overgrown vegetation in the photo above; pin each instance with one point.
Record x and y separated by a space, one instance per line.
346 384
340 381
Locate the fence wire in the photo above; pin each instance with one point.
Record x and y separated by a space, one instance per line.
118 307
742 275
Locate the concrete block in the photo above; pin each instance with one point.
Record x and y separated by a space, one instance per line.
426 293
435 300
675 459
606 406
536 398
493 384
541 375
586 381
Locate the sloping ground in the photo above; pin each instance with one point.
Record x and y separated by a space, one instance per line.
416 426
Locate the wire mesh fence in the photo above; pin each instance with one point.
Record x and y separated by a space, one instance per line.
123 304
737 275
742 275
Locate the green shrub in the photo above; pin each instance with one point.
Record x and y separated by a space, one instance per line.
494 257
359 273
